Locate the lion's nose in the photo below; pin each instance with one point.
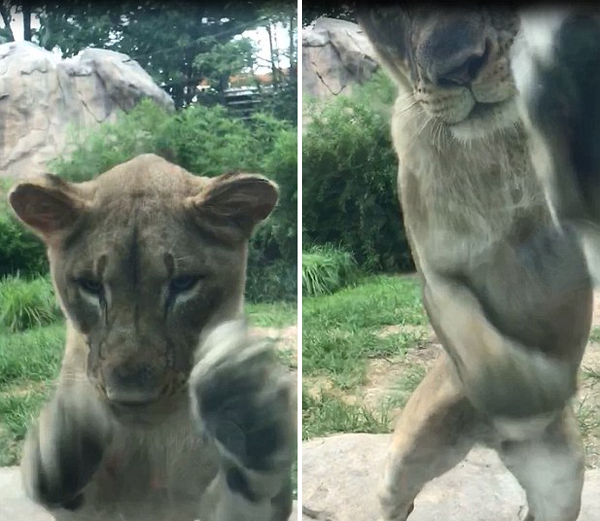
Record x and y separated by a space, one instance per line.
132 385
456 57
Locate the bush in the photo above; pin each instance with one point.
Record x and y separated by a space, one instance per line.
326 269
349 178
27 303
277 239
20 250
206 141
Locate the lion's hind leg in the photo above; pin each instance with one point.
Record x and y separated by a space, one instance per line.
435 432
550 468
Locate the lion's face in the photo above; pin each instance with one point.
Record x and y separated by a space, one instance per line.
454 64
145 258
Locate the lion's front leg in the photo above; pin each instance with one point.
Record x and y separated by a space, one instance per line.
64 449
242 397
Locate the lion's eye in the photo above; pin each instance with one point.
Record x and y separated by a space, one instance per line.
183 283
90 285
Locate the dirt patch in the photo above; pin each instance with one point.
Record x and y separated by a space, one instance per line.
286 339
396 378
409 329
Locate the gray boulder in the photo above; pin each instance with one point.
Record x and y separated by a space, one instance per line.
42 96
336 55
341 475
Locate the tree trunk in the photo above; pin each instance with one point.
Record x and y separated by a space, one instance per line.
272 54
27 21
293 57
6 18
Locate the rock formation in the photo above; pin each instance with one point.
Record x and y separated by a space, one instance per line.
42 96
341 475
335 56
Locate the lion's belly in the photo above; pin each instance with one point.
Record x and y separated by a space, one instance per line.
535 288
539 292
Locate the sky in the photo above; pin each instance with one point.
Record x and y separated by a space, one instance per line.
260 36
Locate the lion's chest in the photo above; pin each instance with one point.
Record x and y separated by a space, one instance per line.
160 479
470 201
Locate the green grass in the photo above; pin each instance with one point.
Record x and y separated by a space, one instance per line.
18 408
327 414
326 269
29 364
342 332
27 303
278 314
30 356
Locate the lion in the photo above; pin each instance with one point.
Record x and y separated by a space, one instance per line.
166 407
506 289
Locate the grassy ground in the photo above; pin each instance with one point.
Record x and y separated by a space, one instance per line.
344 336
366 348
30 361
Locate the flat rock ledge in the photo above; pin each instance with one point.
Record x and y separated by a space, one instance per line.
341 475
14 506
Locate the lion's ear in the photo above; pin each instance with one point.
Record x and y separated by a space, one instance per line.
233 204
48 204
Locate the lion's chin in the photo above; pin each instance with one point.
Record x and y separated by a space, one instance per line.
485 119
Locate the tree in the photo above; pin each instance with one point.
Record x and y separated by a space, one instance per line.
164 38
9 7
181 44
283 102
6 34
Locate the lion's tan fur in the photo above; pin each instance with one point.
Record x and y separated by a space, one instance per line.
137 228
508 296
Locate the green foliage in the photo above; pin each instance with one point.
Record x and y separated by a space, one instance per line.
20 250
165 38
326 269
206 141
180 44
27 303
225 59
277 238
349 178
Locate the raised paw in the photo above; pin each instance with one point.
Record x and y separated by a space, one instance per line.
242 396
63 451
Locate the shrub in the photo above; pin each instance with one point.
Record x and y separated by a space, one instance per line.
326 269
20 250
272 261
27 303
206 141
349 178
